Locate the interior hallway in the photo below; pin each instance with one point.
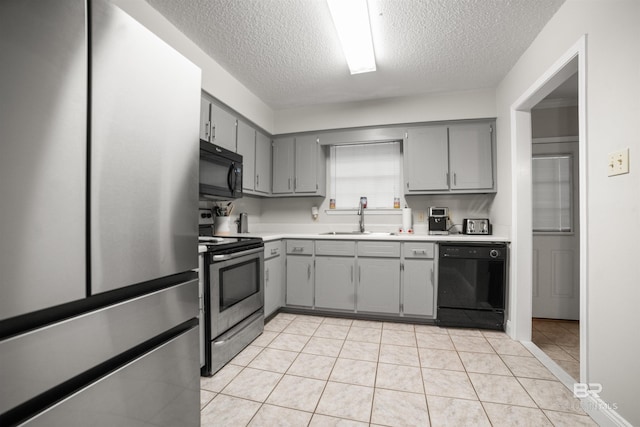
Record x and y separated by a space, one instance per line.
560 340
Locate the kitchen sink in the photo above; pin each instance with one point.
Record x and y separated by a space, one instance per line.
356 233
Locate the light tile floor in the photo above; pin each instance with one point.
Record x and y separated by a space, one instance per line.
322 371
560 340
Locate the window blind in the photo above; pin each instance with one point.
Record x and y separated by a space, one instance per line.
365 170
552 193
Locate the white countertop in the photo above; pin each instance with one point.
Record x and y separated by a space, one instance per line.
269 236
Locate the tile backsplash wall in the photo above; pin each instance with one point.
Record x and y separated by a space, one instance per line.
294 213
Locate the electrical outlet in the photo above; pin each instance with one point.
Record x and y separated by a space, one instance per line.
618 162
420 216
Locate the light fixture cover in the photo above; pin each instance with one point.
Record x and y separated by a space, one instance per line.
351 19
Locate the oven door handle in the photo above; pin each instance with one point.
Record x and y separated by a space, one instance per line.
227 257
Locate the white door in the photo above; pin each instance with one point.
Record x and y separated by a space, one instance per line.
556 244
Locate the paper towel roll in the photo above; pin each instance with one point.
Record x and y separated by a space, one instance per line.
406 219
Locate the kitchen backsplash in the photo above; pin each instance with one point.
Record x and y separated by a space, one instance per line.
294 214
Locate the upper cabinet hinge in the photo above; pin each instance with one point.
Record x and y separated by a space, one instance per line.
490 128
406 135
317 140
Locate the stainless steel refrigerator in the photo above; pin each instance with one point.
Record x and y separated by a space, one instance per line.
98 226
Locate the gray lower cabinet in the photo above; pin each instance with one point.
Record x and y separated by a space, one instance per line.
335 275
299 273
335 283
273 277
378 288
373 277
379 285
418 296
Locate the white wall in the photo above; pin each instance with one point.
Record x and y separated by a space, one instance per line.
613 117
476 104
295 213
215 79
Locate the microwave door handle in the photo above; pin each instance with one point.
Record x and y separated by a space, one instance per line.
230 174
236 173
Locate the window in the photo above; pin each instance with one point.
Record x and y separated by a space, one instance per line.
365 170
552 193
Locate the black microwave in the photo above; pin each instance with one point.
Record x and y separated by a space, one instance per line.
220 172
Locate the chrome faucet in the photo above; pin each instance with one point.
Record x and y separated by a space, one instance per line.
361 213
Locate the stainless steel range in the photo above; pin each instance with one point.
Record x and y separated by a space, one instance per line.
233 296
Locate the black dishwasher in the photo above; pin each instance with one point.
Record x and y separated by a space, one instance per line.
472 285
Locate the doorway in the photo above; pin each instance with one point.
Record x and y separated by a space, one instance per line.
572 62
556 227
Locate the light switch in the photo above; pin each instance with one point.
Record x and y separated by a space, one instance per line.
618 162
419 216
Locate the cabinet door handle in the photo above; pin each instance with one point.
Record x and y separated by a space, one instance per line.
352 274
213 132
432 277
257 180
359 273
266 274
455 181
207 130
295 184
309 272
447 177
419 251
274 251
407 184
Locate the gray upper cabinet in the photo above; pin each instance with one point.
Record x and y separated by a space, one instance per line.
306 166
263 163
223 128
471 156
455 158
255 148
298 166
217 125
247 148
205 119
426 159
283 166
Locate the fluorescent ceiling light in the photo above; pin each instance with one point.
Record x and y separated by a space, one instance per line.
351 19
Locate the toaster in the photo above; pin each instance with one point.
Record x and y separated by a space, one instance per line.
476 226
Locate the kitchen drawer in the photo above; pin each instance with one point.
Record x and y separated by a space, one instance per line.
419 250
379 249
300 247
272 249
335 248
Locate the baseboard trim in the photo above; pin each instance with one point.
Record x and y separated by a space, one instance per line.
600 411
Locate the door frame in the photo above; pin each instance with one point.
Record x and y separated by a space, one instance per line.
521 273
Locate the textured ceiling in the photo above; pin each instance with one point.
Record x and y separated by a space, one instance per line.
287 53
